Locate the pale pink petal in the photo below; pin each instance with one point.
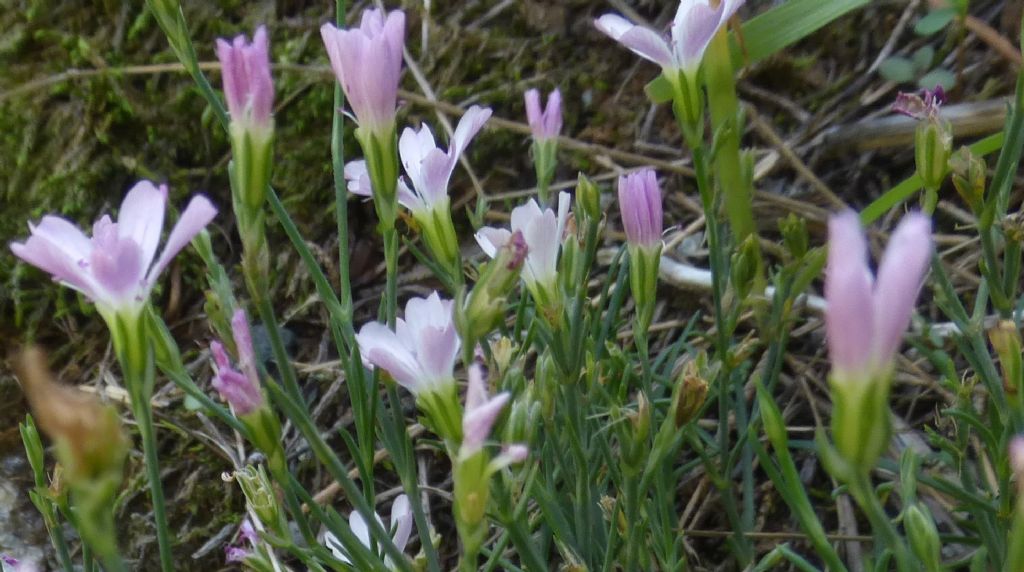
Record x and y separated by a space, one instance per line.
470 124
401 521
382 348
199 212
645 43
359 528
491 239
476 390
524 214
694 26
534 116
477 424
900 277
849 320
358 177
142 217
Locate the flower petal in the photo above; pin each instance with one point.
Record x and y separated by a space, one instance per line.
848 289
199 212
491 239
382 348
900 277
645 43
142 217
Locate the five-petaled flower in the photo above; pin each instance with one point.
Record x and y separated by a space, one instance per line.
117 267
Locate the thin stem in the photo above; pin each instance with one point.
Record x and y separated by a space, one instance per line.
860 488
391 264
147 432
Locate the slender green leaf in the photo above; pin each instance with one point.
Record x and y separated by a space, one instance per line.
785 25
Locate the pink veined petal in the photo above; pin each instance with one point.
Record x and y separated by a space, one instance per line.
401 521
490 239
542 241
628 207
413 148
120 270
199 212
437 350
695 24
243 340
900 277
394 33
64 235
142 217
52 259
262 84
849 320
645 43
382 348
434 173
477 424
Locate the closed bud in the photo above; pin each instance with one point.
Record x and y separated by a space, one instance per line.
484 308
794 235
969 178
691 392
743 270
501 352
1006 341
588 198
641 419
923 536
523 418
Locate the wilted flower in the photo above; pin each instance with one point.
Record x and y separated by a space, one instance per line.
115 268
246 541
368 63
543 231
248 87
640 204
866 317
401 530
546 124
923 105
481 413
234 387
696 22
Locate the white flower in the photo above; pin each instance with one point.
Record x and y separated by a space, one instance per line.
542 230
401 530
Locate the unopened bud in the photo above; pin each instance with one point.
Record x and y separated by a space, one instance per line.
690 394
924 537
501 352
1006 341
588 198
794 235
969 178
641 419
743 270
484 308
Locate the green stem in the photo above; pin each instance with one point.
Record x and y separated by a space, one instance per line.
147 432
885 531
391 264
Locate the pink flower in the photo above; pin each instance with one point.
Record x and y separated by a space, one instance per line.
543 231
640 204
866 317
368 63
696 22
115 268
247 84
428 167
480 413
546 124
401 524
420 354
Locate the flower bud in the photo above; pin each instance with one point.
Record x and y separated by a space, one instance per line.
923 536
969 178
1006 341
743 269
484 310
588 198
691 392
794 235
